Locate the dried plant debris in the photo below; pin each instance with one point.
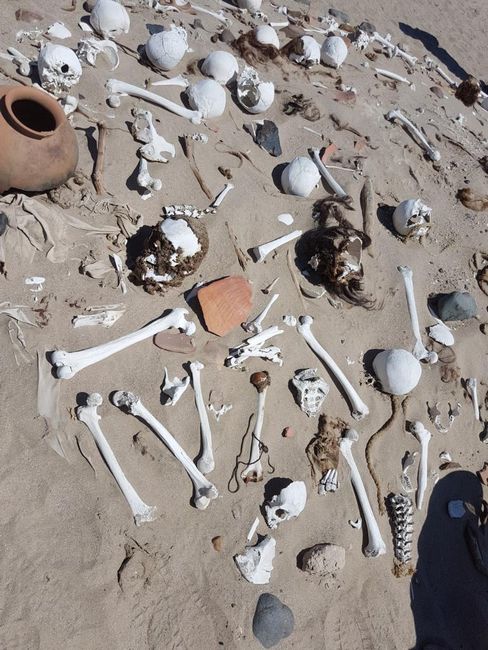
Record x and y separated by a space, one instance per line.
299 104
479 263
400 510
334 251
476 534
469 91
471 200
323 453
173 250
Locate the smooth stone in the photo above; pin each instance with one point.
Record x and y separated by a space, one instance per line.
341 16
456 509
324 559
458 305
273 620
174 341
367 27
268 137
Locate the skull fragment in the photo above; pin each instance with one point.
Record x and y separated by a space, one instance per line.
311 390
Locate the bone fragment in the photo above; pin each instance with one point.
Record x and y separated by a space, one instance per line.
253 348
423 436
419 350
368 208
103 318
155 145
331 182
260 252
253 529
359 410
174 388
204 491
393 50
221 195
254 470
376 545
117 89
416 134
255 326
205 463
395 77
472 390
146 181
67 364
89 416
256 563
179 80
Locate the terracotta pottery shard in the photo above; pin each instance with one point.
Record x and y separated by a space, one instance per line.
174 341
225 304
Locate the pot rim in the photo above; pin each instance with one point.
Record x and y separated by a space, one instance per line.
39 97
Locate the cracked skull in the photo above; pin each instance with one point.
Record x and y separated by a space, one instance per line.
59 68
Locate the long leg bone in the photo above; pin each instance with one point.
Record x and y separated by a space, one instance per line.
67 364
472 390
260 252
359 410
416 134
206 462
255 326
204 491
118 88
254 470
376 545
419 350
393 50
331 182
89 416
423 436
395 77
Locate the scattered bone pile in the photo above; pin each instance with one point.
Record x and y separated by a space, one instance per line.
335 226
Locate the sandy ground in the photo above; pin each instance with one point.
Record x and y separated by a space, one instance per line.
66 530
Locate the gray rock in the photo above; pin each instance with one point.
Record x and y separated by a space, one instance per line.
367 27
458 305
340 16
273 620
324 559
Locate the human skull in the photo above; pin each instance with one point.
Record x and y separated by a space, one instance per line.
254 95
207 97
300 177
166 49
109 18
411 218
333 51
266 35
59 68
397 370
286 505
306 51
221 66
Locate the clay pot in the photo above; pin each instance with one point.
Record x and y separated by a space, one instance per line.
39 148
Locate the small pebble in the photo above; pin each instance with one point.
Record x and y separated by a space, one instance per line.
456 509
218 543
285 218
272 621
288 432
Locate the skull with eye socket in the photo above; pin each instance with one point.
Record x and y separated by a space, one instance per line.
59 68
286 505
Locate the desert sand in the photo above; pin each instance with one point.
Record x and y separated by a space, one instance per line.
76 572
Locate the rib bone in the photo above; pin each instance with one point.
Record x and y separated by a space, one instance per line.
472 390
260 252
419 350
255 326
67 364
118 88
415 133
376 545
254 470
204 491
423 436
89 416
358 408
331 182
205 463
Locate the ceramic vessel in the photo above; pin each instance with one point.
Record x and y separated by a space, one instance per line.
39 148
225 303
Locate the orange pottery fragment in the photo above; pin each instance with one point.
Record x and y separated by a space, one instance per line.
225 303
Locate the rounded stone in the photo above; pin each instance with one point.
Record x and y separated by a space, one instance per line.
458 305
273 620
324 559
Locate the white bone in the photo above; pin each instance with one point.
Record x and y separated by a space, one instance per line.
103 318
252 6
221 195
205 463
300 177
37 281
333 51
329 482
118 88
376 545
58 30
59 68
146 181
266 35
221 66
432 153
174 388
89 49
218 15
254 469
430 64
204 491
393 50
253 529
67 364
286 505
180 80
395 77
472 390
254 95
252 348
398 371
109 19
165 49
143 130
357 524
411 218
20 60
423 436
359 410
309 52
331 182
261 251
311 390
419 350
89 416
255 326
256 563
219 411
207 97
